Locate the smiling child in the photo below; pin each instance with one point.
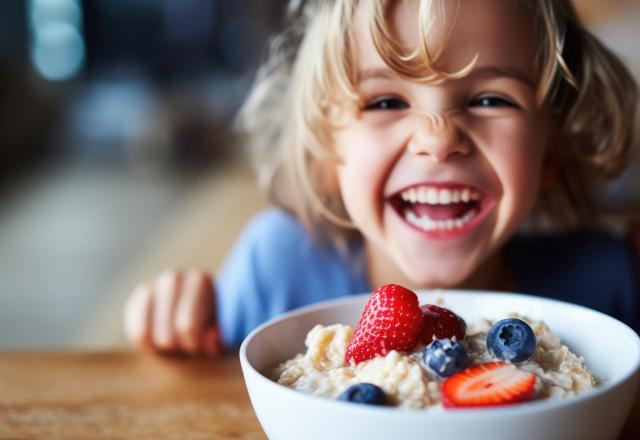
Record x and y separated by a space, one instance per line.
407 142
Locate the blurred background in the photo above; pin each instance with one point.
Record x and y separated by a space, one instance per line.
117 158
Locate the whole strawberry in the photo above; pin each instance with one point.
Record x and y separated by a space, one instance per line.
391 320
440 323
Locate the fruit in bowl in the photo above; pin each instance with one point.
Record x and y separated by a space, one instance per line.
502 366
392 366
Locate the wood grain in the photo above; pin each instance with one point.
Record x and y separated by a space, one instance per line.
123 395
132 395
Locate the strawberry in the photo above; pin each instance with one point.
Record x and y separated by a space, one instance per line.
440 323
488 384
391 320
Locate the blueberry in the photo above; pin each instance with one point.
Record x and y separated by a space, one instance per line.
511 340
366 393
445 357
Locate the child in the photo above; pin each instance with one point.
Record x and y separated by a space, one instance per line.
406 142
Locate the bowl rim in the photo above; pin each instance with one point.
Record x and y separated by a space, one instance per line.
536 406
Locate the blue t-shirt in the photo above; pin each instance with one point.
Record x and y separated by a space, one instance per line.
276 266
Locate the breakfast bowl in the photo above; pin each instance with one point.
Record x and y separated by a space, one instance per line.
609 348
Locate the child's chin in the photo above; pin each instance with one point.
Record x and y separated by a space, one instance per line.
436 276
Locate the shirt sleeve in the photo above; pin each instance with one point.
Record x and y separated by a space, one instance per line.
274 267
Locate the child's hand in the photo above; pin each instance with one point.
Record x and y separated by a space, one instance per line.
174 312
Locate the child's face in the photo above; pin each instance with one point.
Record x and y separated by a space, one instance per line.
471 148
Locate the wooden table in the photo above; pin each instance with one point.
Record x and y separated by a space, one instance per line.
122 395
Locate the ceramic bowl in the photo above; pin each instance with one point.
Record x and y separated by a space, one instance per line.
610 348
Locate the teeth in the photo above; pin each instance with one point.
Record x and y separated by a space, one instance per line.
427 224
432 196
439 196
444 197
465 195
409 195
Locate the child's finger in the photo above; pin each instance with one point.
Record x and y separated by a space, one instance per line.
166 291
194 310
210 343
138 315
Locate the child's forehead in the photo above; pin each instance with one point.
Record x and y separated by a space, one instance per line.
499 32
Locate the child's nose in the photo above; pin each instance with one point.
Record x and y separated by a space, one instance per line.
436 136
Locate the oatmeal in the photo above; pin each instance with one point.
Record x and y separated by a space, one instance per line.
406 381
417 356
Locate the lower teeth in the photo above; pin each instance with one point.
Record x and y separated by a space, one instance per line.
427 224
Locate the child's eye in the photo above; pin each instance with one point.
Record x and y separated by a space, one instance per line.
387 104
492 101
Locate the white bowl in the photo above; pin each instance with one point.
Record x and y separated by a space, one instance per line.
609 347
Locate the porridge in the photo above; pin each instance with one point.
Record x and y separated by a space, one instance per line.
428 358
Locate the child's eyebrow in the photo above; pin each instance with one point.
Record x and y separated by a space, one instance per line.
486 72
512 72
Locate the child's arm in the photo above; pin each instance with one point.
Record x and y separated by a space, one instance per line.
175 312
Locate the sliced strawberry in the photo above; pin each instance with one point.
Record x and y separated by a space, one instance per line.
391 320
488 384
440 323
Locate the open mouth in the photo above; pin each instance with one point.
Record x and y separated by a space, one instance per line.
432 208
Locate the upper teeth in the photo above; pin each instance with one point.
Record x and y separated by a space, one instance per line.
438 196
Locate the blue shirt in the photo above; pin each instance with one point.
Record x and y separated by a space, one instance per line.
275 266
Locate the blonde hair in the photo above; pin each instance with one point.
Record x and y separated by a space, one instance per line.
289 113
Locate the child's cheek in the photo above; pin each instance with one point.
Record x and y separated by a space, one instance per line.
361 174
514 150
521 182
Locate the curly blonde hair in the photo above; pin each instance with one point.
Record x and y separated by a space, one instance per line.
287 118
